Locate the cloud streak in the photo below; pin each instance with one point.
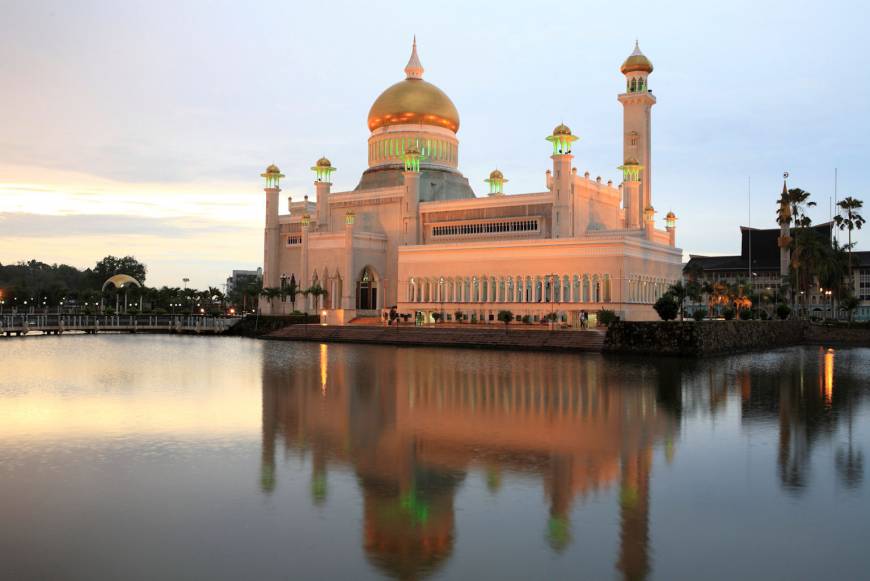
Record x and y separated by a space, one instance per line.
27 225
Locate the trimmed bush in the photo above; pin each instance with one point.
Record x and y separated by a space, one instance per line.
505 317
783 311
667 308
699 314
728 314
606 316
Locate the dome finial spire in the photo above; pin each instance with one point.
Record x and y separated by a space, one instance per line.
414 70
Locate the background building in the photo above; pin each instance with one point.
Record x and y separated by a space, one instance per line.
240 279
760 247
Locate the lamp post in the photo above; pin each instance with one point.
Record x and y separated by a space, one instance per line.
441 296
552 278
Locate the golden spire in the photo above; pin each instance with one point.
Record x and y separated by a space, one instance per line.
414 70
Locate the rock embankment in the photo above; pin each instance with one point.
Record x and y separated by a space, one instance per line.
490 337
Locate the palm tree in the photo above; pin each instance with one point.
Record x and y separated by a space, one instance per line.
270 293
292 290
317 291
851 221
679 292
792 210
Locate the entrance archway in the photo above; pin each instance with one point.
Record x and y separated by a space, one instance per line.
367 290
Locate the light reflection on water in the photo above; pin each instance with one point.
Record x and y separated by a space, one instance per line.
192 457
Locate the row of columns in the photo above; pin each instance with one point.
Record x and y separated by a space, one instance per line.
514 289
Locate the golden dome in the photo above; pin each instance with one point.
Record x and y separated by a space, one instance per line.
636 61
562 129
496 175
323 162
671 216
414 101
631 161
273 169
412 150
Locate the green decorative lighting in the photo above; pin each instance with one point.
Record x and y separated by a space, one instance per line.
630 170
412 157
349 218
562 138
272 175
671 220
306 220
323 170
496 183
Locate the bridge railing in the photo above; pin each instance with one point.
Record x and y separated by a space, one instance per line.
61 322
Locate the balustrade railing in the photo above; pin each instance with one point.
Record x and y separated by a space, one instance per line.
14 323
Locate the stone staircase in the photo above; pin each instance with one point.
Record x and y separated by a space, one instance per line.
591 340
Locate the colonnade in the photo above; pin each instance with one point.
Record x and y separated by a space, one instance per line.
565 288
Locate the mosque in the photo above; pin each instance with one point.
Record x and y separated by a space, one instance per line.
414 235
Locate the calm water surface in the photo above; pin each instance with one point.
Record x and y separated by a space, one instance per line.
161 457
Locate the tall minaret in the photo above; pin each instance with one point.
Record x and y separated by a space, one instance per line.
784 219
272 241
323 180
562 183
637 102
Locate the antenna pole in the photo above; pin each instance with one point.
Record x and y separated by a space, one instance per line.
749 232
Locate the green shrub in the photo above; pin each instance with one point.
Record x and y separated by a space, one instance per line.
436 317
527 319
473 317
606 316
458 316
728 313
763 315
783 311
745 314
505 317
699 314
667 308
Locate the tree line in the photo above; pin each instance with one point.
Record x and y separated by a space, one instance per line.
37 286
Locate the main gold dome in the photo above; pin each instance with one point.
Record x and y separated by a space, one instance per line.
414 101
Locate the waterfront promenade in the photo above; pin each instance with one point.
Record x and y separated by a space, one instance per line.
21 324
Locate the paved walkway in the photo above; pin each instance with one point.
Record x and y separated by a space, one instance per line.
485 336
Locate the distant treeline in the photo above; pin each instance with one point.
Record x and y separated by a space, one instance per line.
54 282
50 286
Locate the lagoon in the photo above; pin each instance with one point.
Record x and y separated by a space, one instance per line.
185 457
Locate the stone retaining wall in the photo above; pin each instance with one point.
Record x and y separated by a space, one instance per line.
697 339
478 336
824 334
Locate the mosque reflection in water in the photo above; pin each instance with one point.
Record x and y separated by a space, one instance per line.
411 428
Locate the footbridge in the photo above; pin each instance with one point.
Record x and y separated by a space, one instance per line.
56 324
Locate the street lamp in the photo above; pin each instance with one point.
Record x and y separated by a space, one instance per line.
550 280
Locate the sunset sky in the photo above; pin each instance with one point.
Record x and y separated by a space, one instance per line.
142 127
